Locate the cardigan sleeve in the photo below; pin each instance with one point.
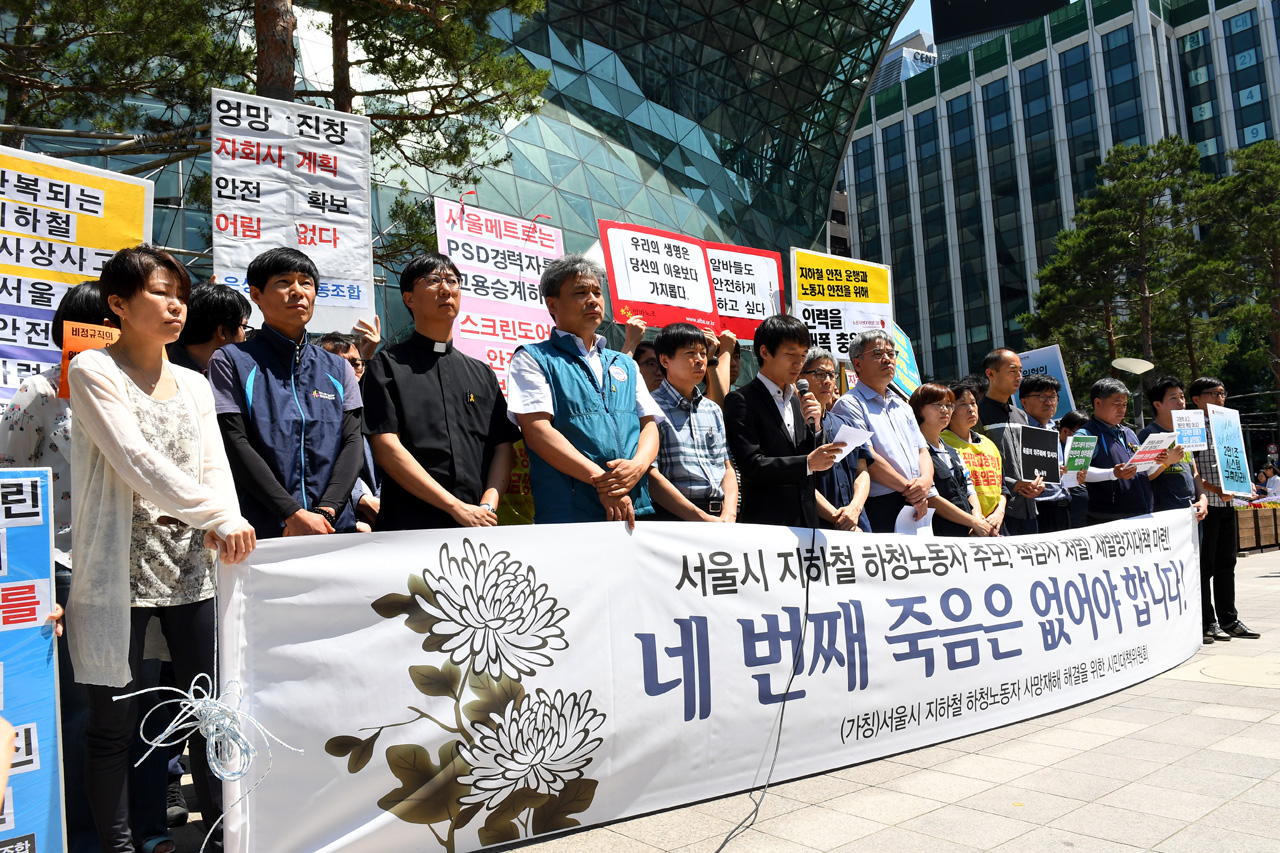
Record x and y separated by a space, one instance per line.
102 410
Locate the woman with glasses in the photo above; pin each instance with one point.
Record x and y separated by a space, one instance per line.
956 509
842 490
153 497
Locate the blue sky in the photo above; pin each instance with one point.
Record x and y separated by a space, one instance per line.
919 17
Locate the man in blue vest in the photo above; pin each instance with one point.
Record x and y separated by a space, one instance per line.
589 425
290 412
1116 489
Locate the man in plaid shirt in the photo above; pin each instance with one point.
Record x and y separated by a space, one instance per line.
1218 544
695 479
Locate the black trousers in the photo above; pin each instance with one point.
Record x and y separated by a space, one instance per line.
1054 516
882 511
1020 526
189 631
1218 549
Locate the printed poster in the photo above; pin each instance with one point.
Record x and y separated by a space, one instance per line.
839 298
748 287
1228 448
907 377
1047 361
28 672
59 222
290 174
658 275
1189 425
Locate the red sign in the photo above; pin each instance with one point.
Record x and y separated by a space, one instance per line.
748 286
660 276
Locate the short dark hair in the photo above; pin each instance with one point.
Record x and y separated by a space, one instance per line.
80 304
995 358
979 381
1038 383
212 306
557 272
1161 388
779 329
1073 420
928 394
126 272
423 266
1204 383
676 337
967 384
337 342
1105 387
279 261
643 345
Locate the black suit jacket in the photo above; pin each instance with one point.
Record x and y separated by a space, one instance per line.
773 463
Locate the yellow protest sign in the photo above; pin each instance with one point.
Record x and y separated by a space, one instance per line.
59 220
839 297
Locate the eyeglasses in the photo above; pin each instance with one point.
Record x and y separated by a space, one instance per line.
648 362
1215 393
945 408
1043 398
356 363
248 330
823 375
881 354
436 282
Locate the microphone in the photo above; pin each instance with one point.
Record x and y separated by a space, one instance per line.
802 388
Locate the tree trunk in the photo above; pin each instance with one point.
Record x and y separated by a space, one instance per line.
342 94
1191 342
16 97
1109 327
273 24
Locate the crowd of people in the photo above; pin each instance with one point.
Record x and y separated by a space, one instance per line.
194 435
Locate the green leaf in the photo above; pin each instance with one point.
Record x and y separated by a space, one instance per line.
432 681
429 791
574 798
341 745
492 697
361 754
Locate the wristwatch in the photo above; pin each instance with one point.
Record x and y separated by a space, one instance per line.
488 506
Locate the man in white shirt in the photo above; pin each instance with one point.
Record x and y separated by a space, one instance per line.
589 423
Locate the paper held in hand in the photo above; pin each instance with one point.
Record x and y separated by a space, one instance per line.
1189 426
1079 454
852 437
1151 449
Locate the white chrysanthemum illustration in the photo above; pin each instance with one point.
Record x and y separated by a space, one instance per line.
493 612
539 743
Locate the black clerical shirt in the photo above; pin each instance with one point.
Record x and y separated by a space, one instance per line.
450 415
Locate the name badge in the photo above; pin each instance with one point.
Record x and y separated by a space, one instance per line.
618 373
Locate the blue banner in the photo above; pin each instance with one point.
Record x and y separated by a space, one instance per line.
28 663
1228 447
908 376
1047 361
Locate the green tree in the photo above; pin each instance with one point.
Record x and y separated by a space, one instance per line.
124 65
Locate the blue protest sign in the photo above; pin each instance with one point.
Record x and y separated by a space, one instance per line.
1047 361
1228 447
908 376
28 663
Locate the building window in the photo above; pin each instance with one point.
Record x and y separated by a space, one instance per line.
933 232
971 246
1201 96
906 308
1042 158
868 207
1082 120
1124 92
1248 81
997 114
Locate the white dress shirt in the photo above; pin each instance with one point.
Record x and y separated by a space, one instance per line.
529 391
782 399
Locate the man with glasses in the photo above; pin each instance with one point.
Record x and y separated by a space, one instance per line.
1218 545
436 418
217 315
903 473
1116 489
1039 396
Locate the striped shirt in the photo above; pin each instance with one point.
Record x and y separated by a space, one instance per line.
693 450
1207 464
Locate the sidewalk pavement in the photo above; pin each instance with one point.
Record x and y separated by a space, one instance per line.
1184 763
1187 762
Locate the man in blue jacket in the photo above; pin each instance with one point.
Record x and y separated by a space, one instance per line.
589 424
1116 489
289 411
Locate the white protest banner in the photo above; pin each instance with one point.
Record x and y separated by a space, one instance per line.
290 174
839 298
1151 448
660 276
1189 425
501 259
458 689
59 222
747 284
1228 449
1047 361
28 673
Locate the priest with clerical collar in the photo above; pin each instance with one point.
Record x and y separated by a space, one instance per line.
435 417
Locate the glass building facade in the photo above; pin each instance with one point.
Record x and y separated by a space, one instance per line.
1026 117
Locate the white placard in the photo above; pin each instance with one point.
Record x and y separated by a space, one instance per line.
1189 425
632 672
290 174
660 270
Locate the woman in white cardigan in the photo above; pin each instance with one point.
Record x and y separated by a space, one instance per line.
152 495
